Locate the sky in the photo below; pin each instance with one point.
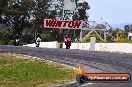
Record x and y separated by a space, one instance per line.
112 11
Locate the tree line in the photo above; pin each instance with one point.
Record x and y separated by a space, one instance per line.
25 17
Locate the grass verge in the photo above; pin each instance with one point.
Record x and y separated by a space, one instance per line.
22 71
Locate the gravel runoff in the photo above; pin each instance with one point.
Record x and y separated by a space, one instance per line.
96 62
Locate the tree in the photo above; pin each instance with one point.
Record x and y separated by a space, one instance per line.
81 13
126 28
131 27
82 10
100 26
121 36
29 14
20 14
16 14
110 31
6 34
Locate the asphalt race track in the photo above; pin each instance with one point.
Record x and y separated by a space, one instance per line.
104 62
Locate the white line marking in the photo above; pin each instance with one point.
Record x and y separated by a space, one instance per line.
87 84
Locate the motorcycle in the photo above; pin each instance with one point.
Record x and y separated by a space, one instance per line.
16 43
37 43
68 43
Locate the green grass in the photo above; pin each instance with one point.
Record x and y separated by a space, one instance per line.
20 71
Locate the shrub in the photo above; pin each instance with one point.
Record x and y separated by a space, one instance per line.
11 42
5 36
122 37
46 37
27 38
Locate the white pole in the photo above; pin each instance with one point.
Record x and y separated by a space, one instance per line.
92 44
81 36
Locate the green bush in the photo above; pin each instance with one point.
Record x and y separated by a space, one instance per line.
125 39
87 39
5 36
1 42
122 37
46 37
11 42
22 43
27 38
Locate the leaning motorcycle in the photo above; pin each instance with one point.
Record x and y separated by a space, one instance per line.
37 43
16 43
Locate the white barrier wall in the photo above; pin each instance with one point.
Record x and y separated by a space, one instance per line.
114 47
54 44
110 47
81 46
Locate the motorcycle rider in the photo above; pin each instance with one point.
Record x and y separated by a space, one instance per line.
16 41
38 40
68 41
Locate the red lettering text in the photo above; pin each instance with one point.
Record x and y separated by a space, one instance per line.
69 24
77 24
62 24
65 23
49 23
